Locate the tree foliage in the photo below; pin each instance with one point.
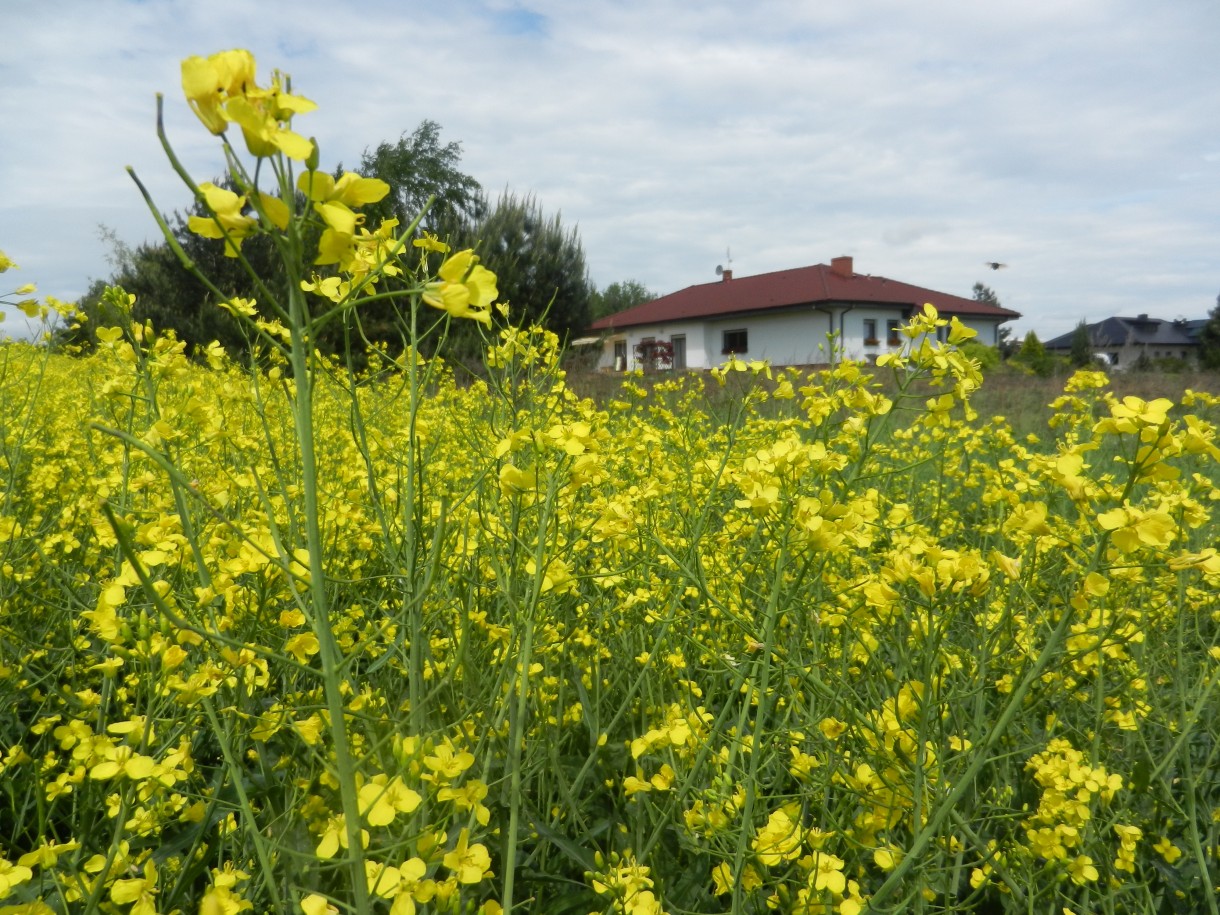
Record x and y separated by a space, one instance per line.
1033 355
539 265
981 292
618 296
984 293
418 168
1082 346
171 296
1209 339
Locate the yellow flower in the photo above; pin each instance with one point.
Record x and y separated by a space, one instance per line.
314 904
1082 870
1132 528
446 763
260 114
138 890
404 884
887 857
334 199
832 728
123 761
827 873
470 863
330 287
465 290
431 243
382 799
239 306
209 82
334 837
221 899
12 875
468 797
779 840
1166 849
959 332
46 855
228 222
302 646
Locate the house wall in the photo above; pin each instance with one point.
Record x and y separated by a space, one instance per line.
790 338
1125 357
696 350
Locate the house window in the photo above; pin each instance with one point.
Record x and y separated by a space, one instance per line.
735 341
891 332
942 333
870 332
620 355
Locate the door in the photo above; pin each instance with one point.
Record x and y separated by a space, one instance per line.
678 342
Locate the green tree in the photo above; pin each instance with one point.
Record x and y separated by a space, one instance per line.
1082 346
988 357
539 265
419 167
984 293
169 295
1033 355
618 297
1007 346
1209 339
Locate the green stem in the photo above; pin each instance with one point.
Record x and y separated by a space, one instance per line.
329 653
515 738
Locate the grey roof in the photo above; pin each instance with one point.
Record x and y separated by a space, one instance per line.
1139 331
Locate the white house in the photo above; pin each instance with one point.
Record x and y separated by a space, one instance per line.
805 316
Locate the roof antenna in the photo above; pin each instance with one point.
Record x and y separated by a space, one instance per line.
720 268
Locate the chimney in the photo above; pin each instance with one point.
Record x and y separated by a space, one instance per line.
726 275
841 266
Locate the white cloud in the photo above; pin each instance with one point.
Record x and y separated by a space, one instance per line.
1072 140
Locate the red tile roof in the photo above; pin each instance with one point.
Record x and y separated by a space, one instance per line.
817 285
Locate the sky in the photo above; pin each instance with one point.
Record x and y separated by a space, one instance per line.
1076 141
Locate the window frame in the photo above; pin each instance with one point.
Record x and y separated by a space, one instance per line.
892 337
726 349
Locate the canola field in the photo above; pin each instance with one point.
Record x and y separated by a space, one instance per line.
303 633
789 644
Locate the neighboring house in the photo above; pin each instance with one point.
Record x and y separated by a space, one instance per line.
1121 342
806 316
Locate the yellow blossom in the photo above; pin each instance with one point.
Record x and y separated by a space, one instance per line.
227 222
209 82
383 798
465 289
469 863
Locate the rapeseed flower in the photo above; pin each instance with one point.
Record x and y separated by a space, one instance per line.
465 288
228 220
